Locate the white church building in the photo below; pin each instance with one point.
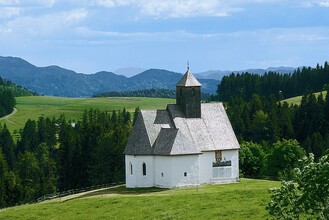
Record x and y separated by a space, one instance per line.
187 144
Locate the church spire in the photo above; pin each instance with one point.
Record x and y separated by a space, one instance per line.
188 95
188 80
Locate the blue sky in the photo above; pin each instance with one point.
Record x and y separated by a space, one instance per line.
93 35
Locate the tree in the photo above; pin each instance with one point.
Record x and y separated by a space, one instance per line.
8 145
136 112
260 126
7 101
48 170
308 195
29 137
3 174
28 171
251 159
284 158
284 202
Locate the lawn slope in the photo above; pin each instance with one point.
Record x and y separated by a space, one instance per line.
244 200
297 99
33 107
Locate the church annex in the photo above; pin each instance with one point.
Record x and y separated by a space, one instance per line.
187 144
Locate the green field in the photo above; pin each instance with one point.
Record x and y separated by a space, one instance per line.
33 107
296 100
244 200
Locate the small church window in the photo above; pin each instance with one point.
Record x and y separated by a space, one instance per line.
144 169
131 169
185 174
193 92
161 174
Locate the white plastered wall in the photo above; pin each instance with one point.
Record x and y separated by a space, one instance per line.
163 171
185 165
207 159
136 178
170 171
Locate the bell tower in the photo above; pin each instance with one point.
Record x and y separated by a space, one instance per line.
188 95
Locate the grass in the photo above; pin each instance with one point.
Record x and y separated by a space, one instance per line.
296 100
244 200
33 107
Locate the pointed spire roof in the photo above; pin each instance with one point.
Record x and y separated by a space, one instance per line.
188 80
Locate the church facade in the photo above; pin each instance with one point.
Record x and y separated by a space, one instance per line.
186 144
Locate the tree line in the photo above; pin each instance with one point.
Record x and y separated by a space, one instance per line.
151 93
58 154
276 137
8 92
301 81
263 122
17 90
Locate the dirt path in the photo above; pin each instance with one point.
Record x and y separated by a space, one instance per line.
11 114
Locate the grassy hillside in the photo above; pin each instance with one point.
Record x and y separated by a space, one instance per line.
32 107
296 100
244 200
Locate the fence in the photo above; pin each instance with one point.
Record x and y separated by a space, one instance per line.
76 191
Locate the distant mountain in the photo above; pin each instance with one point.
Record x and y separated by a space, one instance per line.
218 74
129 71
57 81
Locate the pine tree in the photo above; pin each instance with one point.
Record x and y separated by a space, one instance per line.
3 177
8 145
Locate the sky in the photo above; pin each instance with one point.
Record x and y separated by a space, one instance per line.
88 36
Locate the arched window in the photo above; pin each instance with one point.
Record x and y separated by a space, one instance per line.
144 169
131 168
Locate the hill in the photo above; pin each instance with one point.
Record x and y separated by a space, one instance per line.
8 92
301 81
243 200
297 99
57 81
15 89
33 107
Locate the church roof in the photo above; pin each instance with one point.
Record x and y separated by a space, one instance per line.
168 132
188 80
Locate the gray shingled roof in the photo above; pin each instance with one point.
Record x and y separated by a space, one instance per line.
188 80
168 132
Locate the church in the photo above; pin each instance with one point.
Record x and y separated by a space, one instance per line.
187 144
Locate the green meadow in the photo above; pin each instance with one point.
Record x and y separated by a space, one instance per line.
33 107
296 100
244 200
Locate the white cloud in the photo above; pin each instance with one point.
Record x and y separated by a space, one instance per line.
8 2
45 25
189 8
36 3
174 8
74 16
112 3
301 34
313 3
8 12
324 4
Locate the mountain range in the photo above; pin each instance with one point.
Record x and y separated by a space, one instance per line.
57 81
